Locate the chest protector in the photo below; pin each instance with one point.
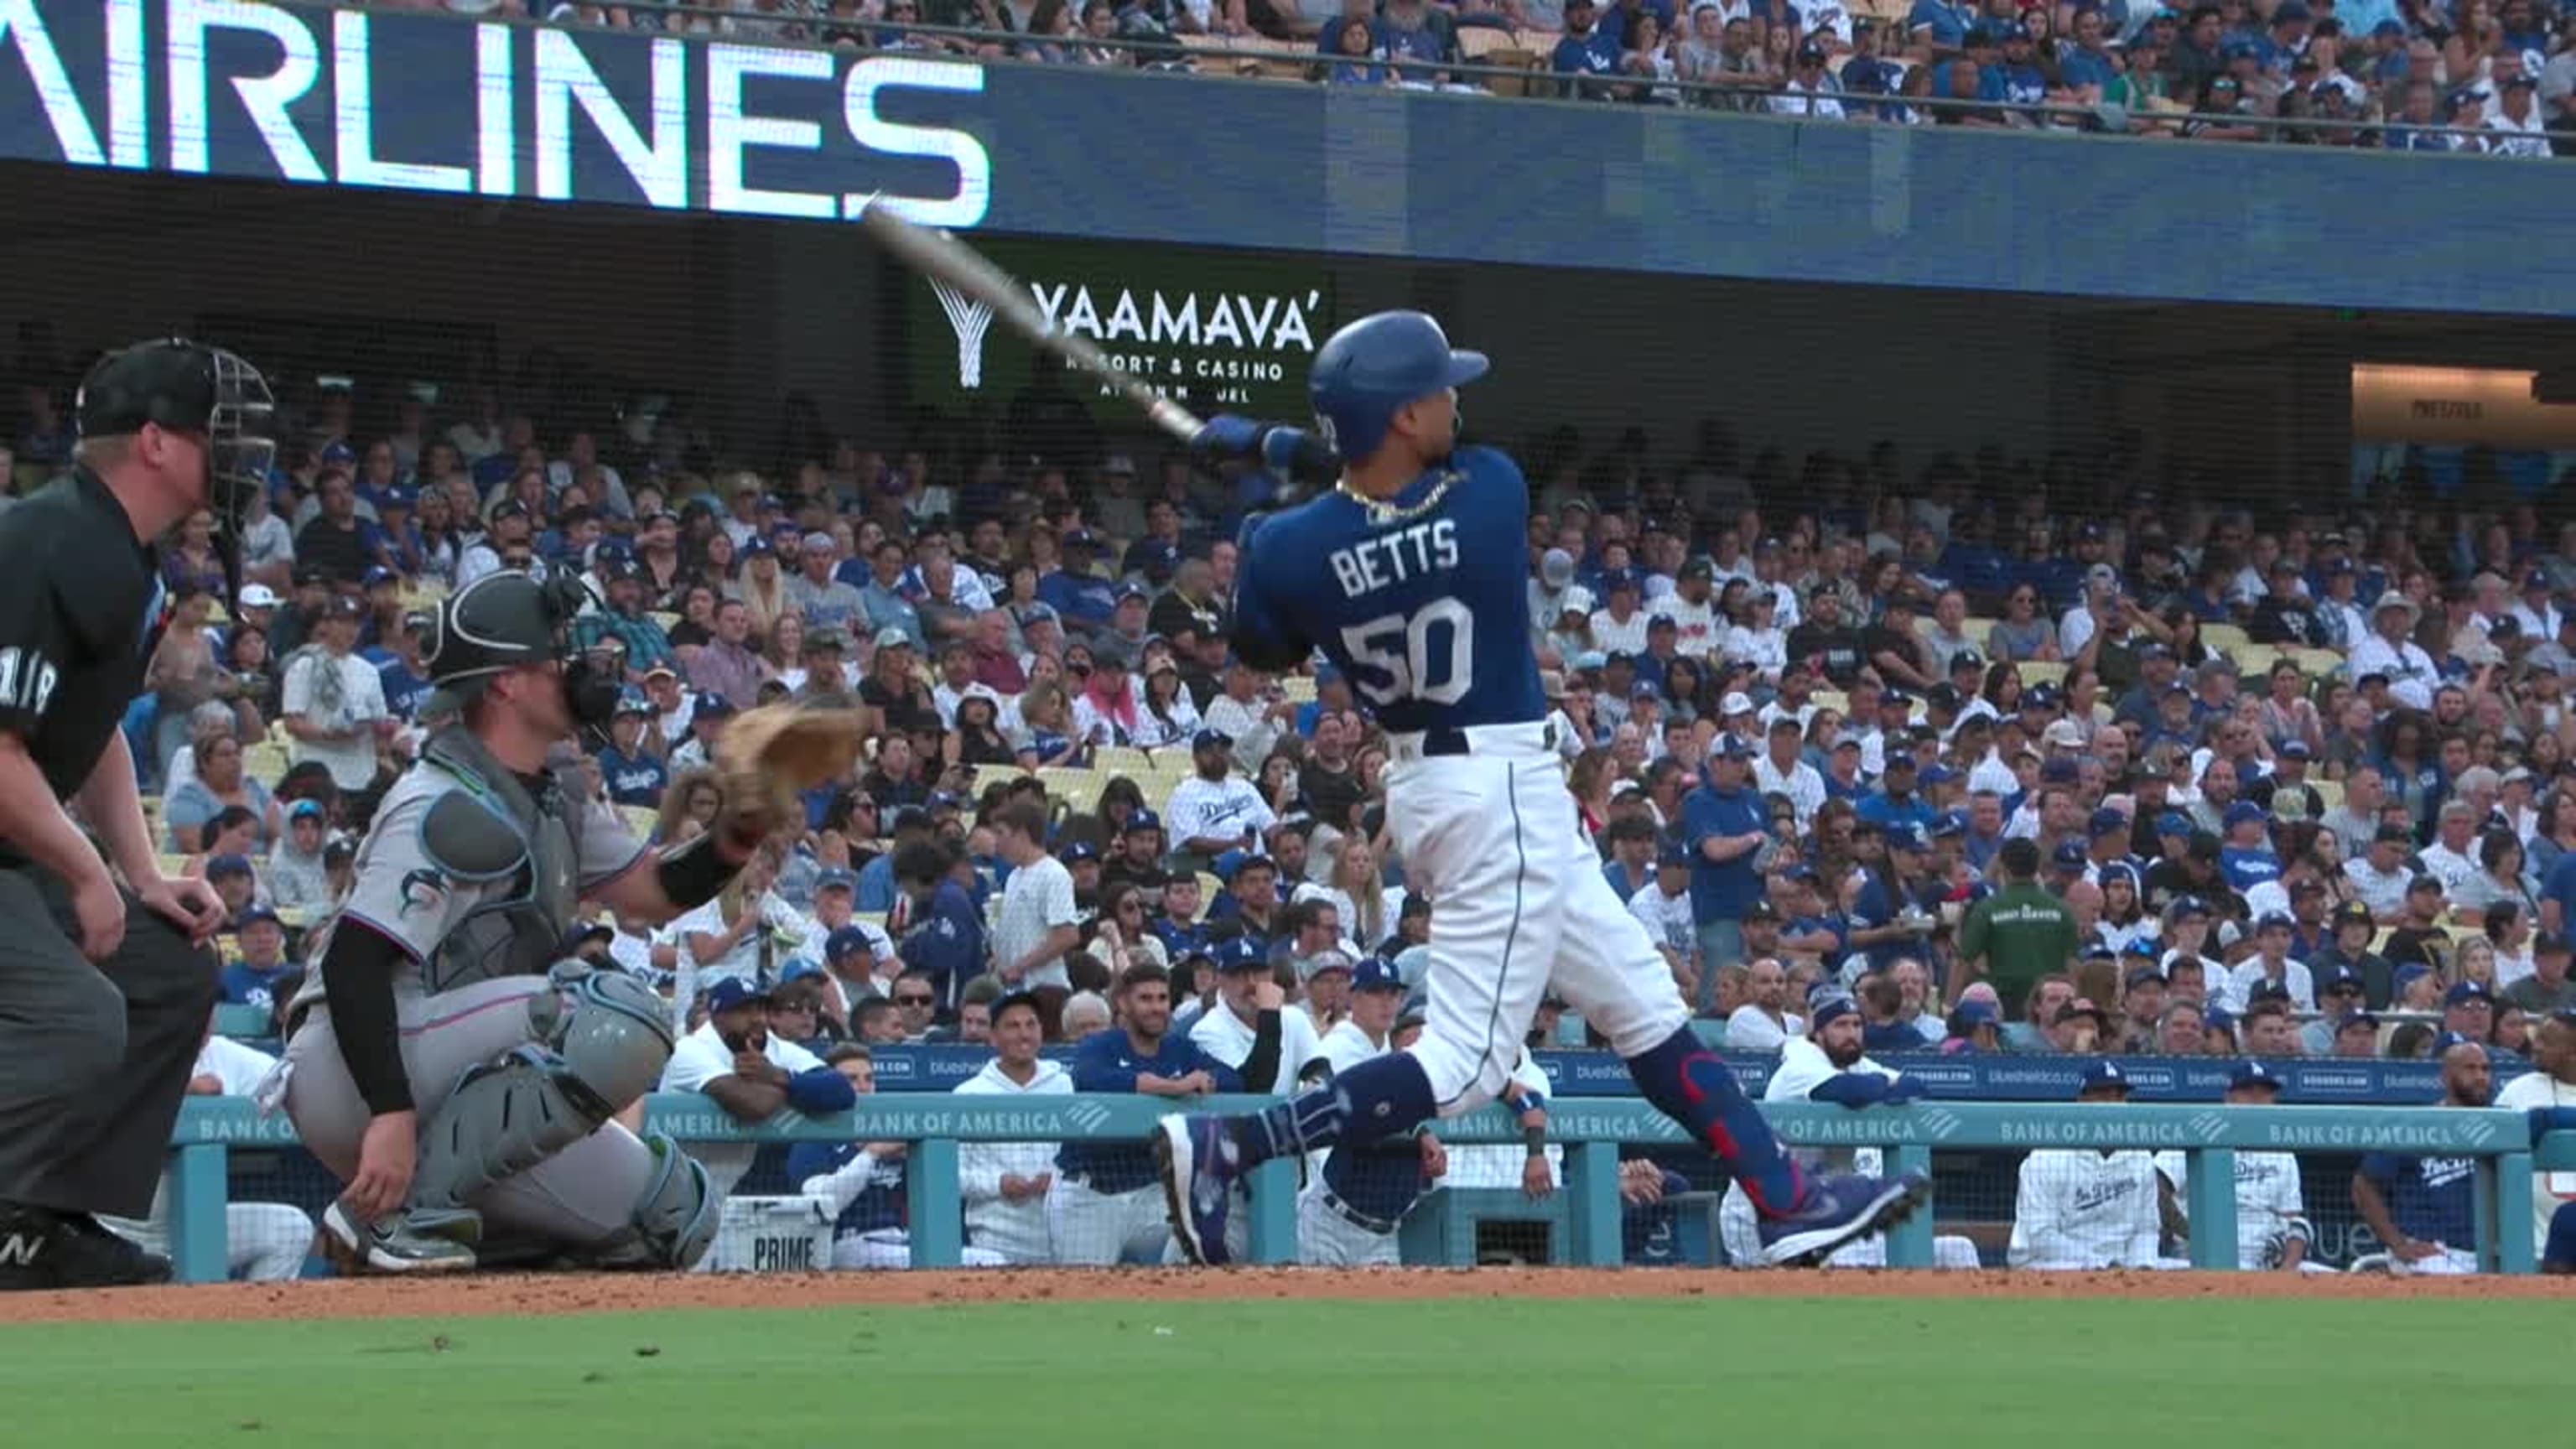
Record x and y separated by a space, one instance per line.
521 848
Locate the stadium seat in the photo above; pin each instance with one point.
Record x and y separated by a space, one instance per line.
2330 791
1233 60
2318 663
1119 760
1079 789
2226 639
2042 671
2255 658
1298 687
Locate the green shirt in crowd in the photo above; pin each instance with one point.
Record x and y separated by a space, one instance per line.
2021 933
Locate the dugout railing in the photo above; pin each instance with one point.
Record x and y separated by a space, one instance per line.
1592 1132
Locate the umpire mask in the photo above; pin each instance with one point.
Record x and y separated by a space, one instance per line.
189 387
504 621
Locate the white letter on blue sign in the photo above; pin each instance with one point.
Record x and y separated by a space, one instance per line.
729 131
264 97
129 127
354 119
496 116
974 195
660 168
20 24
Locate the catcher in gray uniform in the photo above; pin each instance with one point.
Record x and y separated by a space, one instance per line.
459 1078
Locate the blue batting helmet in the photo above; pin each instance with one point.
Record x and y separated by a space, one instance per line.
1369 369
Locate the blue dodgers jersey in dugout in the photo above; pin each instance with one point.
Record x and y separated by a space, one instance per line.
1422 601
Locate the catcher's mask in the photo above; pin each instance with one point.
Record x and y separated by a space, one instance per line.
189 387
503 621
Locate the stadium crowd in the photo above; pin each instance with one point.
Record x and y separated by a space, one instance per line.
2489 76
2241 763
1929 758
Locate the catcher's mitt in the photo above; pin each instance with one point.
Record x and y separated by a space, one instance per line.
769 755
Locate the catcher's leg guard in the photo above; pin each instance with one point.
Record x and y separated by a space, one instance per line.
602 1040
675 1217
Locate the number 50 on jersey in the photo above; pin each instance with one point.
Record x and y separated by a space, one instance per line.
1406 649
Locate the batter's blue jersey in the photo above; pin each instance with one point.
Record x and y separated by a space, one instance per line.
1422 601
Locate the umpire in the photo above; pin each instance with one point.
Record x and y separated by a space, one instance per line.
104 987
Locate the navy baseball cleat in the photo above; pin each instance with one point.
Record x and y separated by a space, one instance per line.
1841 1210
1196 1159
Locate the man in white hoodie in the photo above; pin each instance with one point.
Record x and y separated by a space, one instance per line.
1004 1184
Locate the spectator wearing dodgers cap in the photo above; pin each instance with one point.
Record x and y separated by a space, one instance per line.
1724 824
2270 967
2245 855
1663 905
1781 769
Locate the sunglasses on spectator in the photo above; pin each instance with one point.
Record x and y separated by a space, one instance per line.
912 1001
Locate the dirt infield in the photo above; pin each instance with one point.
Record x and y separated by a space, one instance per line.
541 1293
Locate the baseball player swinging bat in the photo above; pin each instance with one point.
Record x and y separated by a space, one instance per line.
1409 575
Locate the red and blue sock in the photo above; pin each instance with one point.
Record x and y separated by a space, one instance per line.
1695 1087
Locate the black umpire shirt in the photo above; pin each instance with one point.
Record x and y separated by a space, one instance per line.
79 597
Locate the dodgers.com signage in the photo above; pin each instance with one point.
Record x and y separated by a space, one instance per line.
431 103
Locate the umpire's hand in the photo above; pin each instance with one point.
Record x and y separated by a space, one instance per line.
188 902
100 910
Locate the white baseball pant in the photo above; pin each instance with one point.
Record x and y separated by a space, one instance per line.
1014 1232
2446 1262
1494 839
1101 1230
1326 1239
264 1242
892 1248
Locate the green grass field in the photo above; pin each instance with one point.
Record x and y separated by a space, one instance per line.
1991 1372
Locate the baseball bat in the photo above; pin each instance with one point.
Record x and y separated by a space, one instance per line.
939 254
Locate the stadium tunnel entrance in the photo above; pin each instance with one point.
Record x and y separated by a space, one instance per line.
767 335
